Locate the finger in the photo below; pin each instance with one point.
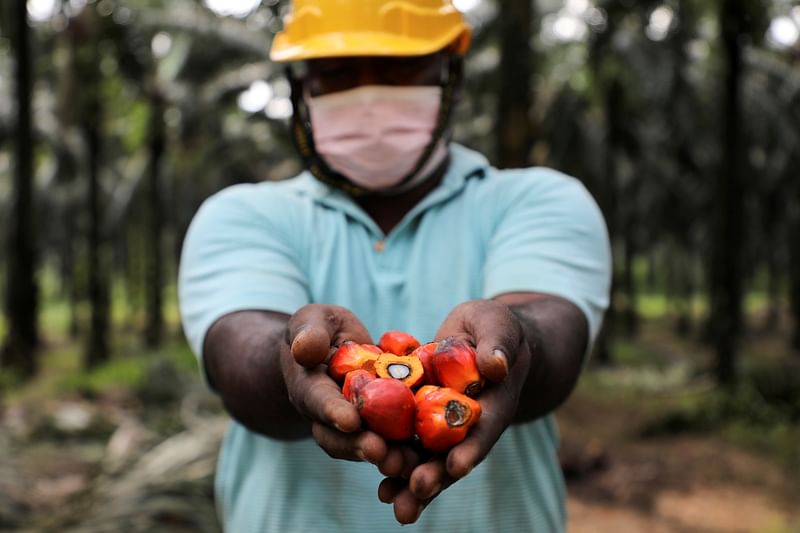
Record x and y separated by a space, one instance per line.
499 338
366 446
400 462
429 479
392 464
389 488
310 345
407 508
314 329
411 460
318 397
371 447
496 404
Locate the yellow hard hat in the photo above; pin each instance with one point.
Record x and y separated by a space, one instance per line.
344 28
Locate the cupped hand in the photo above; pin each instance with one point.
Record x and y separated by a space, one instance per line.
503 357
313 334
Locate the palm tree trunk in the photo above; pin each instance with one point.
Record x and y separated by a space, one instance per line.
155 271
727 234
631 317
97 350
68 272
609 204
515 97
794 272
772 319
19 352
683 325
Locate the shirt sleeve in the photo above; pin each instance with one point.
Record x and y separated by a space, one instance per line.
551 239
238 255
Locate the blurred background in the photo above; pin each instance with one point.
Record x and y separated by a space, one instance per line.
682 117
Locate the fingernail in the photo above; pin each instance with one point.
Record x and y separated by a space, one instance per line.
360 455
501 358
298 335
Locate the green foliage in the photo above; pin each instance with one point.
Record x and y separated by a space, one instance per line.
8 380
629 353
135 131
183 357
135 373
127 373
762 413
777 384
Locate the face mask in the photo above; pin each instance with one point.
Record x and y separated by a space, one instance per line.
375 135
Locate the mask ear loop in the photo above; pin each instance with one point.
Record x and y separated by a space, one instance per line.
304 140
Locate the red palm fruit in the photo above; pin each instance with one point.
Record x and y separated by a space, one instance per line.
354 381
398 343
423 391
444 417
387 407
456 367
404 368
351 356
425 354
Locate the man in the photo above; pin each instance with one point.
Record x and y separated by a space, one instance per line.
391 227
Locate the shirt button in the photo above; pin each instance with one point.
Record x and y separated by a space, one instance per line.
380 246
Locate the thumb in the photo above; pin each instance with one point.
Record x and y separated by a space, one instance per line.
310 345
315 328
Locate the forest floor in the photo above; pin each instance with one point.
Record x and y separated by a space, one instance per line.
132 447
670 483
651 445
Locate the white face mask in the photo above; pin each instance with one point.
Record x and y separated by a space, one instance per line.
375 135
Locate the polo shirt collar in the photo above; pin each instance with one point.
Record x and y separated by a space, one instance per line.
464 164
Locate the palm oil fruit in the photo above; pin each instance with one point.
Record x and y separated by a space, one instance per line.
425 355
387 407
354 382
404 368
444 417
380 380
455 366
351 356
398 343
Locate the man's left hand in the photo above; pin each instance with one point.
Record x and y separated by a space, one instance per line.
504 359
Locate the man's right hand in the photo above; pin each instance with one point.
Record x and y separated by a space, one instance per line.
313 334
270 371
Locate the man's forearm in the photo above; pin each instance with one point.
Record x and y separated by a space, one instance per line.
242 357
557 334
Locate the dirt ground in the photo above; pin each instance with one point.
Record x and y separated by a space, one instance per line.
677 484
618 482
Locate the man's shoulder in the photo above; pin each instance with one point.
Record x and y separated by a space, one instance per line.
539 178
261 197
297 186
473 164
531 184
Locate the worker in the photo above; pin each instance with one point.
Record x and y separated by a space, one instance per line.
391 226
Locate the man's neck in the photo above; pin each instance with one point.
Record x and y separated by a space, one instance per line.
388 211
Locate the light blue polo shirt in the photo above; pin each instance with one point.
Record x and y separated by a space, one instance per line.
481 233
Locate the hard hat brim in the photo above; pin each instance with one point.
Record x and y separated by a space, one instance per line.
354 44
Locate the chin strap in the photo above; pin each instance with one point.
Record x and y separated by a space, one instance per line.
304 140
